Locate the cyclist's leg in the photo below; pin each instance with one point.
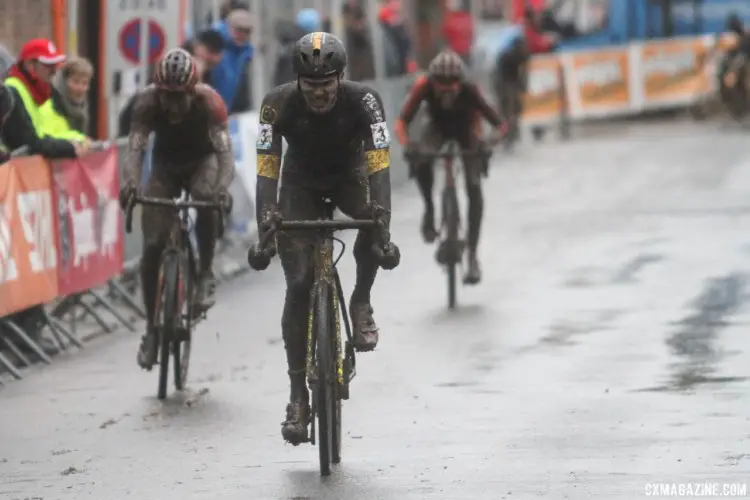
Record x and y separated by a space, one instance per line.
473 182
296 254
429 140
155 223
351 198
204 184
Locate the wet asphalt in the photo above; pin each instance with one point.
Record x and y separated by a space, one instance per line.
606 349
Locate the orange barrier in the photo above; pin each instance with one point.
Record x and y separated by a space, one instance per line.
60 236
626 80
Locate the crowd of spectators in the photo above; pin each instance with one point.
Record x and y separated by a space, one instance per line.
43 108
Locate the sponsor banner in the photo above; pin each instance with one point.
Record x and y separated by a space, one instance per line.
672 71
89 224
28 253
601 81
544 99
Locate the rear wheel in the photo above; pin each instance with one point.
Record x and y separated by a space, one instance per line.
327 379
169 318
452 243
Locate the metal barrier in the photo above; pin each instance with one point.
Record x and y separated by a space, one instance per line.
18 327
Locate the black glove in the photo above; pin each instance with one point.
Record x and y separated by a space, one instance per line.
127 192
388 256
258 259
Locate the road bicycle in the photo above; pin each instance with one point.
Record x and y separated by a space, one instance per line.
330 367
450 244
174 313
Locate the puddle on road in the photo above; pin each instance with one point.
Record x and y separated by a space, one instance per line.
585 277
694 343
629 272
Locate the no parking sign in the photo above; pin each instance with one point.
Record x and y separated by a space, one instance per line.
130 41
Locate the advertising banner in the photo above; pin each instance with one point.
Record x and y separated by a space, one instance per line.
543 100
89 224
28 255
672 71
600 82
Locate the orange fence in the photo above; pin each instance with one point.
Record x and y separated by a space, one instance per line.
60 228
618 81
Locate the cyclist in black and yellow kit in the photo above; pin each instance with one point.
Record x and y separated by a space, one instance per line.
338 148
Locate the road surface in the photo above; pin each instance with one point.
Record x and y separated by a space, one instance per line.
605 351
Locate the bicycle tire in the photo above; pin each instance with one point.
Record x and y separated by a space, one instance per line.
170 269
181 346
452 220
326 373
336 437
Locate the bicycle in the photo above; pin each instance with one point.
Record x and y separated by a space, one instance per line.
329 370
174 315
450 245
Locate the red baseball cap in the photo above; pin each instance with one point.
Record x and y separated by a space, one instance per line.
42 50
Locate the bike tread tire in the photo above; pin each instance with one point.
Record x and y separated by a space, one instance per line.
325 369
451 216
170 268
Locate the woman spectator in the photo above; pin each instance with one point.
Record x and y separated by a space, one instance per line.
65 114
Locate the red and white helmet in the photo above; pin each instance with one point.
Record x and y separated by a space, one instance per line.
176 71
447 67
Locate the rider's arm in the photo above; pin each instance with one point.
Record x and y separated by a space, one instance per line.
410 108
268 155
140 129
490 114
377 153
218 133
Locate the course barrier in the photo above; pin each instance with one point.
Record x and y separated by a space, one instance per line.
622 81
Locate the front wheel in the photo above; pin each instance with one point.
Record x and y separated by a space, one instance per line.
452 243
168 314
328 405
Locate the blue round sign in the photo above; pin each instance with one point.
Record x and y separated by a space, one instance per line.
130 41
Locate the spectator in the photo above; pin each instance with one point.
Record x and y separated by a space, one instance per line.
536 40
307 21
358 42
231 78
225 9
458 31
66 114
29 81
6 106
397 39
208 49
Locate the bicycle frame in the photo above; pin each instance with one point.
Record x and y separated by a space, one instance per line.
325 271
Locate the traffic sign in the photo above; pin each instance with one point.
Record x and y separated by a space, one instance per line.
130 41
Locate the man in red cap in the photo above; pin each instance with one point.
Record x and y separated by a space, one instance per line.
28 86
29 80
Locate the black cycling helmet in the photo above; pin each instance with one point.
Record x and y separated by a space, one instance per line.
6 102
447 67
318 55
176 71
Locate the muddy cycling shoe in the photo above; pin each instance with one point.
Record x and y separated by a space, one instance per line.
294 428
365 329
204 294
428 227
473 273
148 350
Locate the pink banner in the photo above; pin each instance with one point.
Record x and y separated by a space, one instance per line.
90 241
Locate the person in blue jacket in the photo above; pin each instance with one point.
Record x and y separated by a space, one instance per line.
231 78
